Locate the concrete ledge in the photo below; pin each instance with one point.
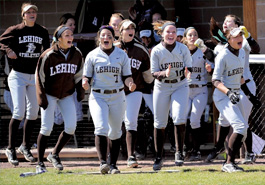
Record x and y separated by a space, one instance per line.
65 153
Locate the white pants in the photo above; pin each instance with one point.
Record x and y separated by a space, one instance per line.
133 101
67 108
58 119
197 102
148 98
174 95
231 114
107 111
23 92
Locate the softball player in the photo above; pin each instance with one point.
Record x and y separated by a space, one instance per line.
140 67
69 21
108 66
115 20
198 93
58 74
168 62
23 44
249 88
228 97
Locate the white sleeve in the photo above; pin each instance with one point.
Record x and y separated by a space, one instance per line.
154 62
187 57
219 67
88 67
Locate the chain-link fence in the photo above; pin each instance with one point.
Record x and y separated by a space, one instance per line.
257 117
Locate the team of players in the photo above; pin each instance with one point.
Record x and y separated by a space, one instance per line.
175 69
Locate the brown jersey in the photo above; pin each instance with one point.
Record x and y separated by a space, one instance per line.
140 64
57 74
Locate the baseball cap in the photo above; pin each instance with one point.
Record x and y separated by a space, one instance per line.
180 31
234 32
145 33
26 8
126 23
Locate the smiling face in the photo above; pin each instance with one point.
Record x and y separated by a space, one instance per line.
114 22
106 39
191 36
66 39
229 23
70 24
170 34
236 42
128 33
30 17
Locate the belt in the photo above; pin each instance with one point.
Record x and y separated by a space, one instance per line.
196 85
107 91
234 89
248 80
172 81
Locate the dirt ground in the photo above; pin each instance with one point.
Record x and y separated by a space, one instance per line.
92 164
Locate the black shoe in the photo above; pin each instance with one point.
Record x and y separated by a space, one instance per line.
114 169
55 160
41 168
179 159
158 164
26 152
195 156
12 156
215 152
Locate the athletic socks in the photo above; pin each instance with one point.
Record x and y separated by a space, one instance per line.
131 136
41 146
27 132
248 141
179 137
159 137
101 146
235 142
196 139
63 139
114 146
223 132
13 128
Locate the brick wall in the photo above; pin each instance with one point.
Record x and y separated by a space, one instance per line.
260 6
202 10
51 10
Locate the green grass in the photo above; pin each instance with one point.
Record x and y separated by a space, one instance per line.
254 174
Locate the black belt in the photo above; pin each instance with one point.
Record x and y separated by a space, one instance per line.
234 89
196 85
107 91
172 81
248 80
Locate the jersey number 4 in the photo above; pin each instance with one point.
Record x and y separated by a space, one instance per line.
199 77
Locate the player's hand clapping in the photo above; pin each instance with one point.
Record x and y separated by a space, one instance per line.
168 71
208 67
132 86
